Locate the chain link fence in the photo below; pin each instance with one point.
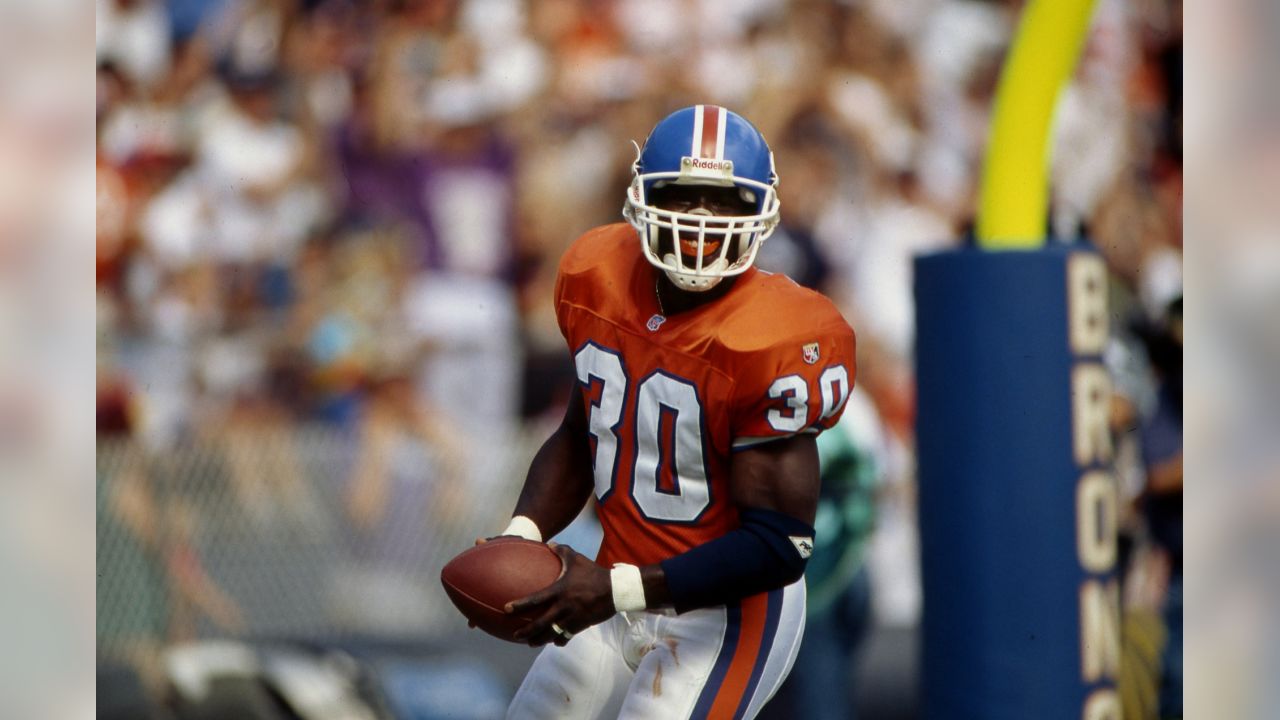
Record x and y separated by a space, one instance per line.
308 534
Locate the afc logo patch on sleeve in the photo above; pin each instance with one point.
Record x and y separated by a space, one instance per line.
810 351
804 545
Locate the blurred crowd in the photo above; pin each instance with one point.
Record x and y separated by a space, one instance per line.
349 212
304 202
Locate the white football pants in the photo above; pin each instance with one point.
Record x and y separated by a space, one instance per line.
722 662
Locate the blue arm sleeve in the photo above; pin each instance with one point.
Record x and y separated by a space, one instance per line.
768 551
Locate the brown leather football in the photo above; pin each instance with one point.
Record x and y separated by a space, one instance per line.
483 579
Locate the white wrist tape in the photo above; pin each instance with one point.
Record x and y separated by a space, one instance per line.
522 526
628 590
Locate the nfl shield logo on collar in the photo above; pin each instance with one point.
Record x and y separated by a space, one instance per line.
655 322
811 353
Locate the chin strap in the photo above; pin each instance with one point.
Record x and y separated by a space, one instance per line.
690 282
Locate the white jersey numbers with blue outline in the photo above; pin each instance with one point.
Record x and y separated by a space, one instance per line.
834 384
669 471
603 368
669 476
669 441
796 392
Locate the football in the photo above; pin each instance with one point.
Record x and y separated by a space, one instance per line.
483 579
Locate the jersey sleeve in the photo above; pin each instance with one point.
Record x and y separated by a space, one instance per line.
584 274
798 385
573 277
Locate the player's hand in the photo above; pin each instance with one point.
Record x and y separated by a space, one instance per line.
582 597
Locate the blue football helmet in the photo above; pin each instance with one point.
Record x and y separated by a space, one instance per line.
703 145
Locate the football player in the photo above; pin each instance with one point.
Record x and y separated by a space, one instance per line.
702 384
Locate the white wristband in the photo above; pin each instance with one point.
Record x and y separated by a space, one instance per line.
522 526
628 589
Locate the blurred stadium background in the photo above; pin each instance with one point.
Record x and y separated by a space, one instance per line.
326 236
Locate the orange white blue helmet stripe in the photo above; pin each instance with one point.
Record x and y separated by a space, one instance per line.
708 132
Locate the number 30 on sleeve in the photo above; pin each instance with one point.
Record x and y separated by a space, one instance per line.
833 385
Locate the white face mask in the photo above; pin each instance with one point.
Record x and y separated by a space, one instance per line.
702 229
698 281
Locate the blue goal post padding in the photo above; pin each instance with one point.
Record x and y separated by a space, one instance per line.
1017 505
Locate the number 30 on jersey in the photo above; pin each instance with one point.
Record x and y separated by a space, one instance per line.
668 405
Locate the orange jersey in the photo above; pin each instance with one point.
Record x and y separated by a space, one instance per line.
668 400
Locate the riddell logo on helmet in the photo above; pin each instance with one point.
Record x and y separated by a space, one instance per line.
707 164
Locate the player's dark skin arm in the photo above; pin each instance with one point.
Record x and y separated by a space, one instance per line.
780 475
560 476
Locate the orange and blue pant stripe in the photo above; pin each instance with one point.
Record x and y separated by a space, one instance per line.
748 639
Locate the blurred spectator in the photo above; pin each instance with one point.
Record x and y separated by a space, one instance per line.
265 465
135 35
902 225
1091 145
401 442
117 412
816 160
159 586
406 489
1162 454
246 198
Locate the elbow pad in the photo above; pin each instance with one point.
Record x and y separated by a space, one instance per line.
769 550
